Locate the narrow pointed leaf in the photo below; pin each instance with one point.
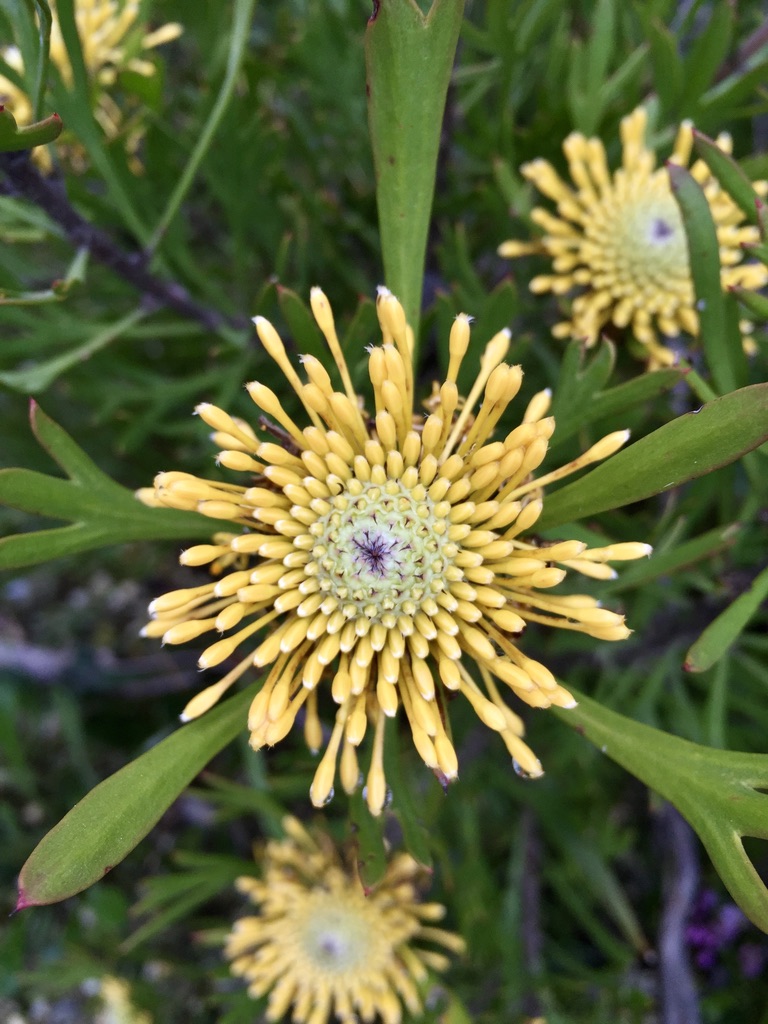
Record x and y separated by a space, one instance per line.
718 317
727 627
114 817
684 449
409 57
729 174
100 510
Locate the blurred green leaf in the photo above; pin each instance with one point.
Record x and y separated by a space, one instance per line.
667 65
415 836
718 319
369 836
684 449
102 512
756 303
583 374
13 138
733 180
719 792
707 54
727 627
409 57
113 818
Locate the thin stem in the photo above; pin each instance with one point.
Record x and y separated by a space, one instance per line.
238 41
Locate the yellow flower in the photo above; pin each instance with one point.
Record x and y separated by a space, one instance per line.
619 239
373 551
325 946
110 45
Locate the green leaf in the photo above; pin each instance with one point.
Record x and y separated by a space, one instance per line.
707 54
684 449
369 835
719 792
718 318
36 378
756 303
729 174
727 627
665 59
409 57
114 817
101 511
583 374
415 835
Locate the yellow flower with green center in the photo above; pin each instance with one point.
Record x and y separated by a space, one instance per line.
323 945
111 42
387 556
618 239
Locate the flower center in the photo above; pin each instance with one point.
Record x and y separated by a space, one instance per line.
381 550
336 935
650 242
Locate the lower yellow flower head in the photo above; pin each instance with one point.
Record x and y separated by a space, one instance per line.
619 239
380 555
106 29
323 945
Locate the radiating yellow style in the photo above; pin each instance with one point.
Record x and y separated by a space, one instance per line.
376 556
327 949
112 41
617 239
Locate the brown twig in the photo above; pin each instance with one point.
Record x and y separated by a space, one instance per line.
24 181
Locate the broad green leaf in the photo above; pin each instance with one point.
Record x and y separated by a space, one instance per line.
729 174
684 449
409 57
726 628
718 316
719 792
113 818
101 511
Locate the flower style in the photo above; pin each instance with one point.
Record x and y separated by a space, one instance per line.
106 29
323 944
620 239
381 549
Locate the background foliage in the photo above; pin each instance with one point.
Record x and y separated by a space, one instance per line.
563 888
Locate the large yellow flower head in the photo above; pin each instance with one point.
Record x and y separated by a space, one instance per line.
112 42
323 945
381 554
618 239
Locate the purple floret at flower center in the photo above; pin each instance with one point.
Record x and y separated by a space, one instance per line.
661 230
375 549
